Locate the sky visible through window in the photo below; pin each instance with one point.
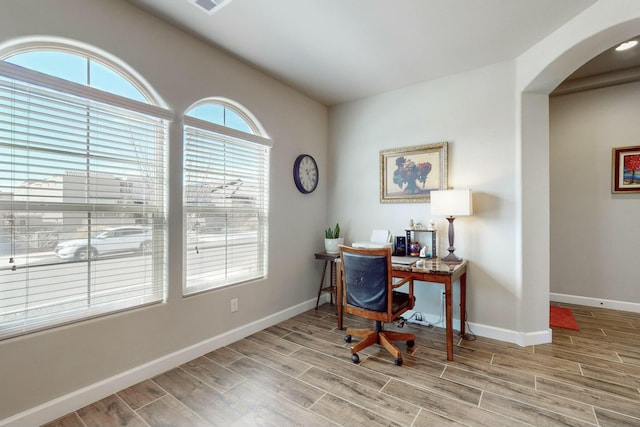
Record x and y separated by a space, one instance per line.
77 69
220 115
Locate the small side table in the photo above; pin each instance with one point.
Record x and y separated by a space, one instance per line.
331 287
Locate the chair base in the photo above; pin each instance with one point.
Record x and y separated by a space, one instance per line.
384 338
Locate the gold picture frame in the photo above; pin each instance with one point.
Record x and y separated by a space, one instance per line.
409 174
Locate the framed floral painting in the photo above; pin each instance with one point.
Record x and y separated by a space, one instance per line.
407 175
626 170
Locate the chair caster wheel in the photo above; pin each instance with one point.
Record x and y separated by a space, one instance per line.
410 343
355 358
397 362
347 338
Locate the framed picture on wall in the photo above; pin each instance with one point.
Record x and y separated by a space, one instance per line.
626 170
407 175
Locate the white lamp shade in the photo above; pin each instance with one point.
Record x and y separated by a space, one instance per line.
451 203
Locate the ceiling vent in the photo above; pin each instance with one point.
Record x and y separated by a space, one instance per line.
209 6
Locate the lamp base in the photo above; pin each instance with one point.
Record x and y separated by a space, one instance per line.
451 259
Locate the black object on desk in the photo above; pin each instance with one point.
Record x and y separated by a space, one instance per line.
400 246
331 287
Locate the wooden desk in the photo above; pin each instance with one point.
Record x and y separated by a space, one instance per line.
432 271
328 258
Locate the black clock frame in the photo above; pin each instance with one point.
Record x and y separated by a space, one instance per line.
296 175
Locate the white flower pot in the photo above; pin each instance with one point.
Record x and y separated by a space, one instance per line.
331 245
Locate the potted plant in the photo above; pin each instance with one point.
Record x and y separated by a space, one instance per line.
332 239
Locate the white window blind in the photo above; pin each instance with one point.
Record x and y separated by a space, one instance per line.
82 201
226 180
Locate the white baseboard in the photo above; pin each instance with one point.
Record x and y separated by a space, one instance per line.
523 339
596 302
73 401
520 338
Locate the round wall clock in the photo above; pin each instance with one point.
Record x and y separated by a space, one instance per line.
305 173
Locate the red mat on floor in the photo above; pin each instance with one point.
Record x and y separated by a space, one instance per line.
561 317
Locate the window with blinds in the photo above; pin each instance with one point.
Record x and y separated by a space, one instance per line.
82 201
226 202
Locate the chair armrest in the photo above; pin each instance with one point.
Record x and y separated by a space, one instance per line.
402 282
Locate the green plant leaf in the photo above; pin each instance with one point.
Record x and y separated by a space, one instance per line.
328 233
332 233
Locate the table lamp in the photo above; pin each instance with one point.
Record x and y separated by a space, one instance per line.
451 203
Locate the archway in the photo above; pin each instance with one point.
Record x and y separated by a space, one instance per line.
539 71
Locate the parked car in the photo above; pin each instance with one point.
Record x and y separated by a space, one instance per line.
108 241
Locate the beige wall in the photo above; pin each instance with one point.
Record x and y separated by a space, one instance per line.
40 367
472 111
594 233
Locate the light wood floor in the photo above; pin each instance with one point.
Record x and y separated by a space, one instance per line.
299 373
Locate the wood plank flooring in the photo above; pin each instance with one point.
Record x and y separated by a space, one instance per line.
299 373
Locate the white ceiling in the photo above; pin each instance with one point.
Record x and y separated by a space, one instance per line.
341 50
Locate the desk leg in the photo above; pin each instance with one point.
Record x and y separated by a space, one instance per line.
463 303
324 272
449 314
339 291
332 279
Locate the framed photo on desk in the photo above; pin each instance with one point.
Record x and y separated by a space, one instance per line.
407 175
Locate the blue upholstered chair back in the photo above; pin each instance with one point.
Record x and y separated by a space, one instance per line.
366 279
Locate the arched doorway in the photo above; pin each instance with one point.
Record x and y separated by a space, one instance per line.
539 71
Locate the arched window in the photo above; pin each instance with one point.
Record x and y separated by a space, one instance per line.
82 187
226 196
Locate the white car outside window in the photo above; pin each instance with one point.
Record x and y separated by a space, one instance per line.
108 241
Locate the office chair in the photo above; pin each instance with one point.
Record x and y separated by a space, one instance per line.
369 292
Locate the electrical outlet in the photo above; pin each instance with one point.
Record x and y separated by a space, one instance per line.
234 305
